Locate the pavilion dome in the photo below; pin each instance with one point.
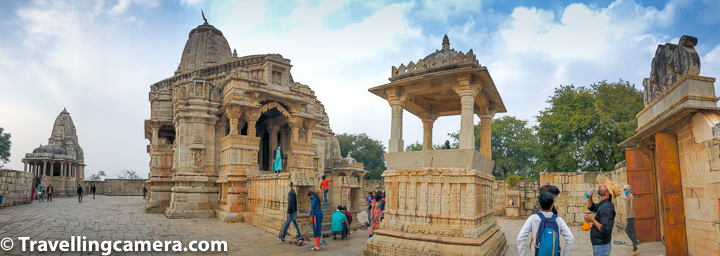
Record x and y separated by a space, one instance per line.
206 46
50 148
443 52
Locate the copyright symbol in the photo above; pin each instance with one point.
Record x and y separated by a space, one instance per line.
6 244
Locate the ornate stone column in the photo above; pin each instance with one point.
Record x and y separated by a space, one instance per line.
486 134
309 129
428 121
396 143
467 93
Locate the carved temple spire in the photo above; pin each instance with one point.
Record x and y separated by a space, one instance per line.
446 43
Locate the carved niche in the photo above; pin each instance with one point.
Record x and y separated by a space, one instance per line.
671 62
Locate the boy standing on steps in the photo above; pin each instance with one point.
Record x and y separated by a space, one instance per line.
532 225
325 187
630 215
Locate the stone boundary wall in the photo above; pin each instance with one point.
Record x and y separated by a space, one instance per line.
119 187
573 185
528 191
372 185
15 187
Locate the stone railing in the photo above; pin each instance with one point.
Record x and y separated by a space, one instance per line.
119 187
452 59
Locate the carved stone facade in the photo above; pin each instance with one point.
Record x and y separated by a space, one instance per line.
214 126
60 163
440 202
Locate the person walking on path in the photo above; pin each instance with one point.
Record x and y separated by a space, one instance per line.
604 220
87 190
325 187
32 195
532 227
144 192
93 188
291 215
630 215
277 160
339 223
40 194
49 193
316 216
79 192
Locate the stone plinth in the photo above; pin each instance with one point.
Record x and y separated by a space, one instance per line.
438 211
193 196
696 91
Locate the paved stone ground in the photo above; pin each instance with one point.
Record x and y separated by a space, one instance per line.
123 218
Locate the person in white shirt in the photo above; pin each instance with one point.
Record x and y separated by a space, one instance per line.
531 227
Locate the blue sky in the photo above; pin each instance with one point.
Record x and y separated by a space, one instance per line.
98 58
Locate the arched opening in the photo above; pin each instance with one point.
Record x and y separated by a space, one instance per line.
273 129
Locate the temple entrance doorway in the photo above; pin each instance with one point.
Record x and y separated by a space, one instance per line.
273 130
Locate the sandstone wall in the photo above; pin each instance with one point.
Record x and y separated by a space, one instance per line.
527 190
372 185
573 185
118 187
15 187
699 170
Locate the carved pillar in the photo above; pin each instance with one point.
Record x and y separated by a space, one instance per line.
233 114
295 128
44 169
485 134
467 94
396 142
309 129
428 121
251 121
155 128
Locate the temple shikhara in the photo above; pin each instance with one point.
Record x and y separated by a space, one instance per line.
60 162
214 126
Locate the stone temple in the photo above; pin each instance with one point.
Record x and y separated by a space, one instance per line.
213 127
60 163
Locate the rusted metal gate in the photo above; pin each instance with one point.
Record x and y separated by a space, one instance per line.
641 176
668 168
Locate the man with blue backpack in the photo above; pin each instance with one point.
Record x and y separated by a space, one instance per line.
546 229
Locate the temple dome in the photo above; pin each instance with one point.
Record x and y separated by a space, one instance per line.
443 52
50 148
206 46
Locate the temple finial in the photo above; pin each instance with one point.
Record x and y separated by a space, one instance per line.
446 43
203 15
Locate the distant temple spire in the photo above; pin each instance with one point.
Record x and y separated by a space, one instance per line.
446 43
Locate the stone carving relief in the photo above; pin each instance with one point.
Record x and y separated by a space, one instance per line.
276 77
671 62
197 157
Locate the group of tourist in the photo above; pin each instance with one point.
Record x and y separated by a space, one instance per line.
546 226
41 192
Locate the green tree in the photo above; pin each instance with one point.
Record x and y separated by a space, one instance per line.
365 150
129 174
4 147
96 176
418 146
581 128
514 147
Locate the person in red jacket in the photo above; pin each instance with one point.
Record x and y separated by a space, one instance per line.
325 187
349 218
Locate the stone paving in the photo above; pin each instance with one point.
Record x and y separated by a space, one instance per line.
123 218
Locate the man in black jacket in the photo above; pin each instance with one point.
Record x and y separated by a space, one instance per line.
79 192
291 215
602 224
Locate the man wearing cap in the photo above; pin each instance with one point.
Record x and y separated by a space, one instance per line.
601 231
630 215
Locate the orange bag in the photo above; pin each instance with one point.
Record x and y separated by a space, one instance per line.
586 226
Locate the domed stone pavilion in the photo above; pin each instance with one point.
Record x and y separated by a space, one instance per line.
60 163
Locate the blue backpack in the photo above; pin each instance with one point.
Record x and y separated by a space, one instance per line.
547 240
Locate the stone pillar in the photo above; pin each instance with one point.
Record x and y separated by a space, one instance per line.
25 167
273 133
233 115
52 169
155 128
485 135
251 122
428 122
396 142
467 93
309 129
44 169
